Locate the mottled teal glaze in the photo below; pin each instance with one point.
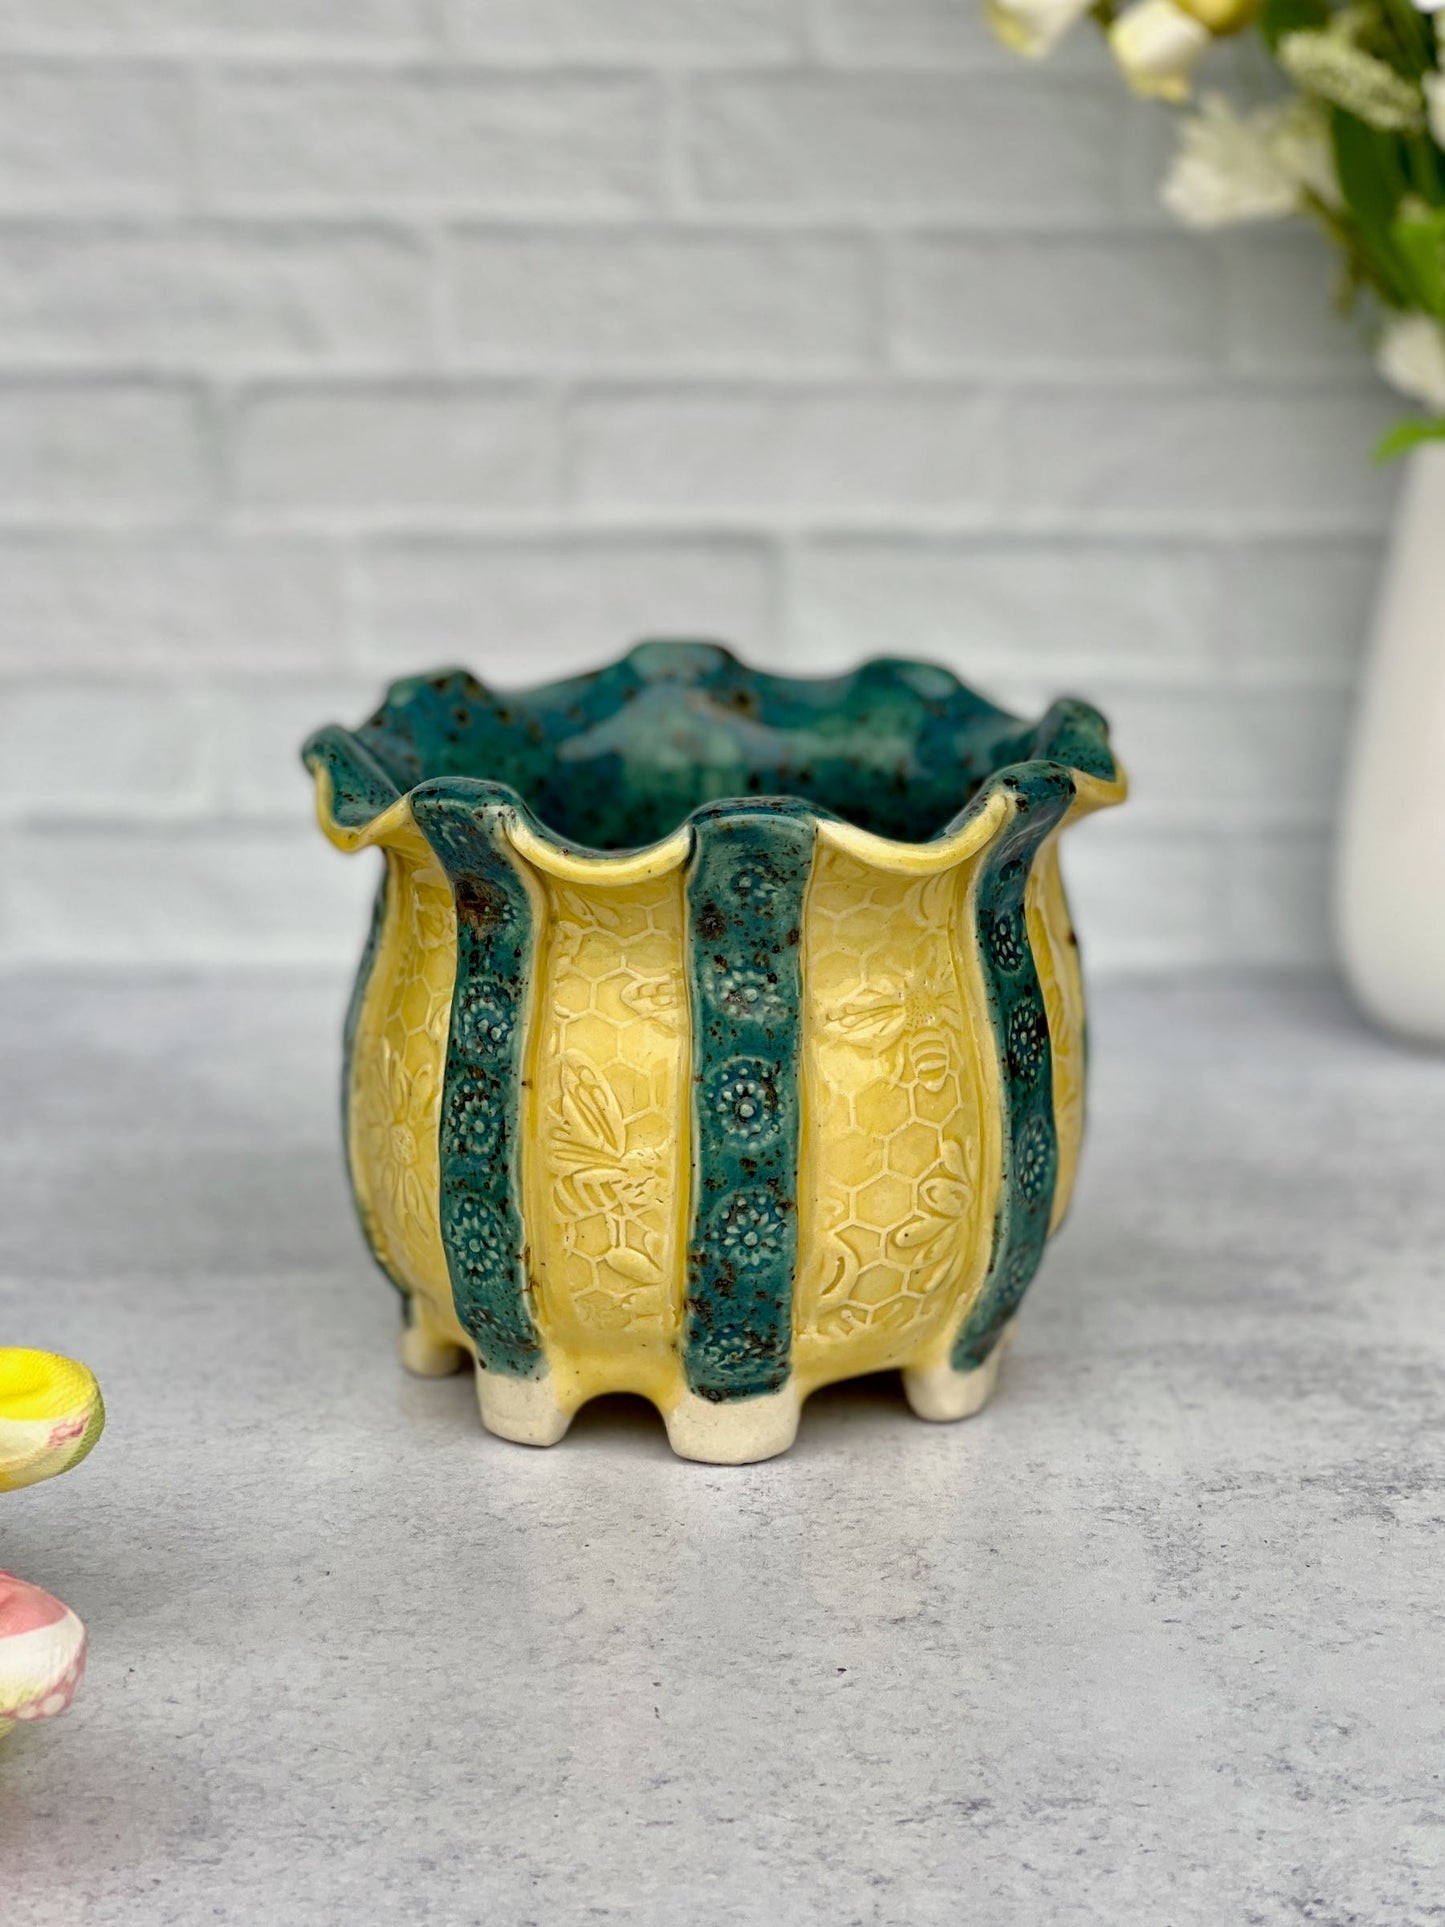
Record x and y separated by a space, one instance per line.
618 759
749 870
481 1212
683 733
1021 1036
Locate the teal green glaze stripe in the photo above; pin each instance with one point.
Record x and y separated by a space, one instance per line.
1041 797
745 888
481 1218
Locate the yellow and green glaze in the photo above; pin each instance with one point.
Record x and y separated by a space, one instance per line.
719 1034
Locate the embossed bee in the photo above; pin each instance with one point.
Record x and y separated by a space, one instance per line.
902 1016
600 1175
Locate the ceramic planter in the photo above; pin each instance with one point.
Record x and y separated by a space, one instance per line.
719 1035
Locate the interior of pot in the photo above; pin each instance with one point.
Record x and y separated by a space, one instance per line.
620 758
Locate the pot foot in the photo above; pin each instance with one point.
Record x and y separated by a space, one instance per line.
735 1432
524 1410
939 1392
426 1354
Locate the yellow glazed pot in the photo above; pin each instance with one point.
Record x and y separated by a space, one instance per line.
719 1034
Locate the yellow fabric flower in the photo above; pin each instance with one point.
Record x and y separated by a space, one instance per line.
1034 27
1158 45
51 1414
1222 16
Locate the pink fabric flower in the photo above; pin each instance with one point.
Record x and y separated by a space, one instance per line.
42 1653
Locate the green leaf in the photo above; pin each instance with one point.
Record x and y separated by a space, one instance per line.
1420 246
1409 434
1279 17
1425 163
1372 167
1411 36
1373 180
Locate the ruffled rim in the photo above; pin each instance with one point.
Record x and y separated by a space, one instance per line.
367 778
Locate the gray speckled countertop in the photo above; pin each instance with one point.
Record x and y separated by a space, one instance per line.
1157 1639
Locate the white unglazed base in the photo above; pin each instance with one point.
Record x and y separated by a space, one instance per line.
713 1432
735 1432
940 1393
522 1409
427 1356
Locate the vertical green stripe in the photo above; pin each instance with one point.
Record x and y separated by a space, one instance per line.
1041 795
745 889
481 1217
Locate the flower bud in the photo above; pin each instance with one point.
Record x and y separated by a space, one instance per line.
1158 45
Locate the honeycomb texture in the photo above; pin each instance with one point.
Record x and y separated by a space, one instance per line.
609 1134
897 1169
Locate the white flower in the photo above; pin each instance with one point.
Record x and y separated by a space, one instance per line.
1158 46
1330 65
1429 6
1303 149
1035 27
1257 167
1434 85
1411 357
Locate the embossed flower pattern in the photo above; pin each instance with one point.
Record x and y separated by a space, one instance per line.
393 1150
478 1240
756 886
1007 939
1028 1036
1035 1160
945 1197
482 1022
745 1099
473 1122
750 1229
746 992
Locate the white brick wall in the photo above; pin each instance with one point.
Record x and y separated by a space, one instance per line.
341 338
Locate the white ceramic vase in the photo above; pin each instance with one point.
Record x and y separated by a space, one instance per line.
1390 876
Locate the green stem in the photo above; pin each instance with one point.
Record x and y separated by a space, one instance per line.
1362 268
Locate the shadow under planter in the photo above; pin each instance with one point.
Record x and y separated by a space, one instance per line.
719 1035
